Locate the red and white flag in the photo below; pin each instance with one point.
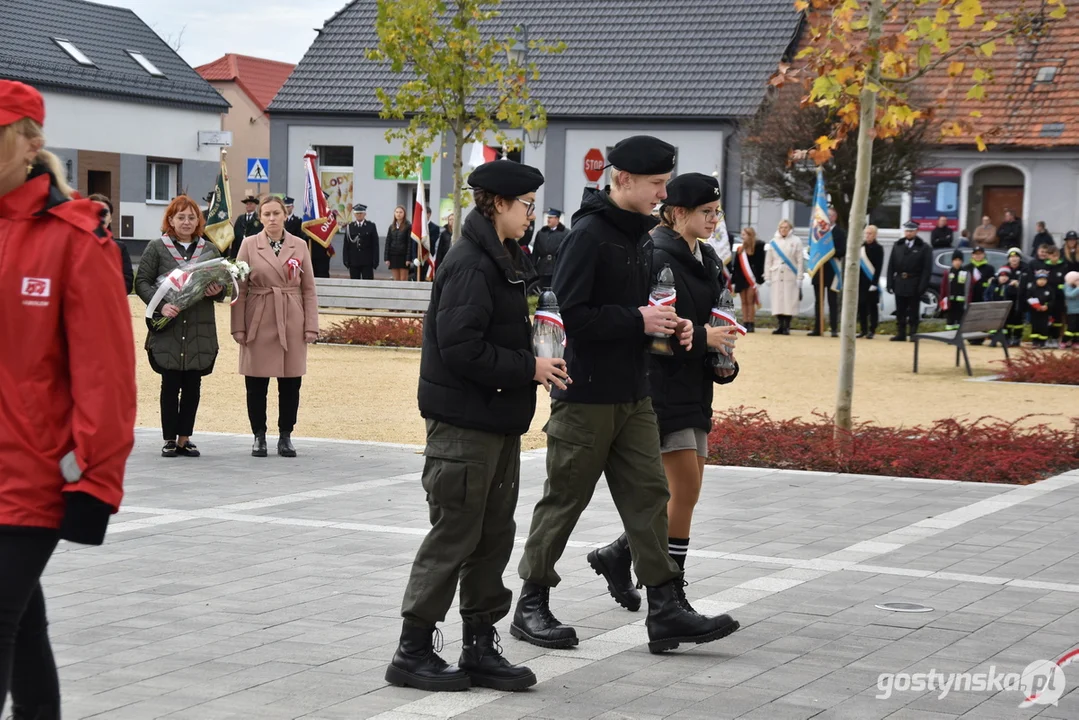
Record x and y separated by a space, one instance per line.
319 223
419 230
481 154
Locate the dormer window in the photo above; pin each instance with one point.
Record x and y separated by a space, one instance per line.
1046 74
144 61
76 54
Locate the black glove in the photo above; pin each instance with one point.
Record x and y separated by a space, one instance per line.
890 291
85 519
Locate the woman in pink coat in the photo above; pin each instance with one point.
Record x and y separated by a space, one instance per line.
275 316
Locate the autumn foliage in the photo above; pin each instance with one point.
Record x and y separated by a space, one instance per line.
378 332
983 450
1038 366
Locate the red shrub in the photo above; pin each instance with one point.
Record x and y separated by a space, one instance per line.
384 332
1039 366
983 450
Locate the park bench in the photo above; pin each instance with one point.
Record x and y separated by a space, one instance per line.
373 298
980 321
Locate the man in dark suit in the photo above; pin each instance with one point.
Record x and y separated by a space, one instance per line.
246 225
909 271
360 253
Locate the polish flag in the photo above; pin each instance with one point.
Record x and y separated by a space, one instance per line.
419 231
481 154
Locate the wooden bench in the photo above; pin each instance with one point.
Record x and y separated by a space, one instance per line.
980 321
373 298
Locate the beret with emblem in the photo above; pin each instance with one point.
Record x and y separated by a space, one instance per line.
692 190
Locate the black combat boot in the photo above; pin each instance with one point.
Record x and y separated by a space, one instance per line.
481 658
614 563
534 623
670 622
417 664
284 445
258 448
41 712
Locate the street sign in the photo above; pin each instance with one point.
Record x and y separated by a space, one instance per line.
215 137
258 170
593 165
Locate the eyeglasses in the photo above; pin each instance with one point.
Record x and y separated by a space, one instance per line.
716 214
531 206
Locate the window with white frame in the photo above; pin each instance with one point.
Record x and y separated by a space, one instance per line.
751 204
162 178
145 63
73 51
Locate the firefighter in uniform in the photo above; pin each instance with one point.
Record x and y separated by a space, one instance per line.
361 245
246 225
477 393
293 222
909 271
545 249
604 421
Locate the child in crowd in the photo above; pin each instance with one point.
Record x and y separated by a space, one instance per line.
953 291
1005 287
1071 297
1039 303
1057 270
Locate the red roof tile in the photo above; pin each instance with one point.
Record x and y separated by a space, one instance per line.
259 78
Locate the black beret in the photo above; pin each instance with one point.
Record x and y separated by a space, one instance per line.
643 155
506 178
692 189
910 225
1071 235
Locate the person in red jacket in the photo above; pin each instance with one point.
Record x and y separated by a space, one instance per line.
67 389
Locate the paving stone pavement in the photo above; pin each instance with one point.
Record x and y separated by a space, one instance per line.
235 587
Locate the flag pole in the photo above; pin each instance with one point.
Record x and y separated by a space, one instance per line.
820 301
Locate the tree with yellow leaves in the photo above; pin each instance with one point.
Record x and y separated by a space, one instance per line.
464 84
860 60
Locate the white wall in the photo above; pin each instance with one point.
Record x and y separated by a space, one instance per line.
698 151
380 196
72 121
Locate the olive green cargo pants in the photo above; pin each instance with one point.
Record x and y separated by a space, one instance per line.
583 442
471 479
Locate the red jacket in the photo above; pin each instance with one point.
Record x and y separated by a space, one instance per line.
67 365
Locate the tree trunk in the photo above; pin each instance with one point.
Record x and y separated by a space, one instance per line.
855 230
458 182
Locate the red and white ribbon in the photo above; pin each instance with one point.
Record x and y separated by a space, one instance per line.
294 268
551 318
747 271
665 302
729 318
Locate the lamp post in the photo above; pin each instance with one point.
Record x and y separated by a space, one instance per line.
517 47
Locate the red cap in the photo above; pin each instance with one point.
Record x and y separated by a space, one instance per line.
18 101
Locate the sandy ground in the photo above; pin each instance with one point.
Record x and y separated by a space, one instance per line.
370 394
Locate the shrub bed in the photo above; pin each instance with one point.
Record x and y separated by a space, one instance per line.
379 332
983 450
1040 366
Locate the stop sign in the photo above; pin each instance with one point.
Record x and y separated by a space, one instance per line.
593 165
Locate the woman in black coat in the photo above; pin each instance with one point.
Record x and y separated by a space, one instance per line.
477 393
398 241
750 254
681 384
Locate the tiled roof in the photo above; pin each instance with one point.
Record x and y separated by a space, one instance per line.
1018 110
624 58
259 78
104 34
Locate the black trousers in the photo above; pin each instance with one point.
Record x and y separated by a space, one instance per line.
1072 333
361 273
288 402
954 313
27 667
180 393
907 312
832 300
869 311
1040 326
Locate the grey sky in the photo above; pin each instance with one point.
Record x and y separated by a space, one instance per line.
273 29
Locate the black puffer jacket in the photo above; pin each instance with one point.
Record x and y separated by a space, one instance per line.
682 384
477 366
602 275
398 240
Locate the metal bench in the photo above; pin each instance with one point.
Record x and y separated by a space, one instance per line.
980 321
373 298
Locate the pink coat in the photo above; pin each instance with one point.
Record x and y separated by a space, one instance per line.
275 308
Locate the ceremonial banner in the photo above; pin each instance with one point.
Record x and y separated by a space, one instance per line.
218 223
419 230
338 186
821 245
319 222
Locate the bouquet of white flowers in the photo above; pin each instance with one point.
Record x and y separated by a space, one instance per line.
183 287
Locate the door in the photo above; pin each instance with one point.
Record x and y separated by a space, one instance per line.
996 199
100 182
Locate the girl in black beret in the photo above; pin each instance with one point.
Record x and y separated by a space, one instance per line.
477 392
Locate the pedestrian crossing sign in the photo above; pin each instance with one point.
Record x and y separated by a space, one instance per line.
258 170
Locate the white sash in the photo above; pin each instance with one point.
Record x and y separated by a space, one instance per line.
175 252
